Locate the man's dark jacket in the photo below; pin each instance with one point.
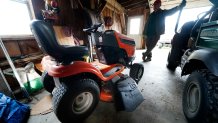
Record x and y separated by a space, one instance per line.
155 25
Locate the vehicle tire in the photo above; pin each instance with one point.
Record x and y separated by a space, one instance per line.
74 101
48 82
171 65
160 45
136 72
200 100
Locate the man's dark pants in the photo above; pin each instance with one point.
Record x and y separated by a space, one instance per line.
150 44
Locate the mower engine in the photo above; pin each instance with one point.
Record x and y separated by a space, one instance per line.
113 47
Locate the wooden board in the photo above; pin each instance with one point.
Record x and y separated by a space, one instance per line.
12 48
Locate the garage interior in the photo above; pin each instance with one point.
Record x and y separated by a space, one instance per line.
161 88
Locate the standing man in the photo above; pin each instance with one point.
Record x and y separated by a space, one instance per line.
155 27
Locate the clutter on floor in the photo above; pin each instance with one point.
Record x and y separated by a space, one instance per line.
29 77
12 111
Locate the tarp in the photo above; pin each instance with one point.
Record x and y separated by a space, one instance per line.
12 111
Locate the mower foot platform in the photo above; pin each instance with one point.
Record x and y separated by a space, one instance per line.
112 71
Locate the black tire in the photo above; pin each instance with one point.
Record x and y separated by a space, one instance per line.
136 72
48 82
171 65
65 95
200 101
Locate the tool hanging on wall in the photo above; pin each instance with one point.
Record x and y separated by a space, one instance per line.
26 95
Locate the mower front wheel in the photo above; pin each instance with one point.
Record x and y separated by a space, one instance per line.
47 81
74 101
136 72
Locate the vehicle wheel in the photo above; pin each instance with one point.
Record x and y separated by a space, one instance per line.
160 45
75 100
136 72
200 101
47 81
171 65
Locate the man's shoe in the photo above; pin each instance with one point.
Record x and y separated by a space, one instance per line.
147 60
143 56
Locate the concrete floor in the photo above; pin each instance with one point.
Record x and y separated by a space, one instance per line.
161 89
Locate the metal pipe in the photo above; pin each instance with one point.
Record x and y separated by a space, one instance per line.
6 83
13 68
178 18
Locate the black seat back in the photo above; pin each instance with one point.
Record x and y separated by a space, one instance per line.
46 38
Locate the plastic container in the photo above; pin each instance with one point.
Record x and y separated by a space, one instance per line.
29 77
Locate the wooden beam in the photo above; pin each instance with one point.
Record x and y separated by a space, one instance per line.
136 6
130 2
112 8
32 57
101 7
126 2
189 4
176 2
115 5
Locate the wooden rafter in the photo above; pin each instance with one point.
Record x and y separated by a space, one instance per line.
136 6
130 2
114 5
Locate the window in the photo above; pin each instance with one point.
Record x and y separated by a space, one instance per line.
135 25
187 15
14 18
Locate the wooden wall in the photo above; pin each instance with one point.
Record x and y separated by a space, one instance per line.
18 49
145 13
136 12
36 7
116 19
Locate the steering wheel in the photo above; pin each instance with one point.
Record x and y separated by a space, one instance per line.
93 29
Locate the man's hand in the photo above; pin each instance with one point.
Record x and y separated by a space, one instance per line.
183 4
144 37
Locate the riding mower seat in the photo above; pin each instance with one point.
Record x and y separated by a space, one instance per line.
47 40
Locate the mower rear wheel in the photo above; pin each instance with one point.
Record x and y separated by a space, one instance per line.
48 82
74 101
136 72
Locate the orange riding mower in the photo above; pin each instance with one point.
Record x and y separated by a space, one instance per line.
77 85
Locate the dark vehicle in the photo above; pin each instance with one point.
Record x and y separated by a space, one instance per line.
200 62
179 44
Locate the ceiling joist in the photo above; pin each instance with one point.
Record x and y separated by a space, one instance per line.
130 2
114 5
136 6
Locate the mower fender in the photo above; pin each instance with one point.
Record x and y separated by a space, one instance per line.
75 68
202 59
78 67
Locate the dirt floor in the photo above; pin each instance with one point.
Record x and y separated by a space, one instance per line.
161 89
